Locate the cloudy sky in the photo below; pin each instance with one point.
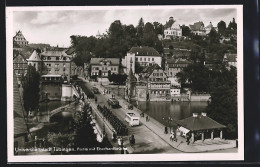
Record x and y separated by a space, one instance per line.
55 26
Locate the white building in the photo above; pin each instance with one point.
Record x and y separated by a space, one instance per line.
145 56
209 27
173 31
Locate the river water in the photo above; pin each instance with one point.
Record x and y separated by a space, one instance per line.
161 111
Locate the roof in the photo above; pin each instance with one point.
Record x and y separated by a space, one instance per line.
57 53
209 26
144 51
70 51
96 61
171 62
19 122
197 26
200 123
21 35
34 57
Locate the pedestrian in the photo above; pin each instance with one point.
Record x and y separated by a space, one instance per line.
171 136
166 130
147 118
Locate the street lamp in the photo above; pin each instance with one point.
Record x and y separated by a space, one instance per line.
46 106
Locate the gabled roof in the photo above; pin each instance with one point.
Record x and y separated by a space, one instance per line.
34 57
200 123
197 26
148 70
96 61
57 53
19 34
144 51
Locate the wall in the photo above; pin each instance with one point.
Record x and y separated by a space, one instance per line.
53 90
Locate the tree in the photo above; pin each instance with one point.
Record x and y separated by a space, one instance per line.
31 84
158 28
138 68
222 27
213 36
60 140
169 23
84 133
185 31
223 105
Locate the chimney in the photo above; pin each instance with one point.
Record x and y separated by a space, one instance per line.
204 114
195 114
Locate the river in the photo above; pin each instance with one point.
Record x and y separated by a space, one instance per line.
174 110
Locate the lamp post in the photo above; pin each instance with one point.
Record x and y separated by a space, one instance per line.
168 120
46 105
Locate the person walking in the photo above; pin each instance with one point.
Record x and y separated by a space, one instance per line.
172 136
166 130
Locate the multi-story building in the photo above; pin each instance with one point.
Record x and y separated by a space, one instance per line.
55 69
157 81
104 66
19 39
230 59
20 64
173 31
198 28
173 66
145 56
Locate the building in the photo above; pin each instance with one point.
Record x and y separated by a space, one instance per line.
173 66
145 56
200 127
173 31
209 27
211 61
20 127
52 63
157 81
198 28
55 69
103 66
20 64
230 59
19 39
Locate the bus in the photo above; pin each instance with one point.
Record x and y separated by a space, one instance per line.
132 119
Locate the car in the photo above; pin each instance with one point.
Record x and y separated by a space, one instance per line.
114 103
95 90
130 107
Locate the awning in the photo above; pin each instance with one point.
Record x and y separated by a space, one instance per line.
184 130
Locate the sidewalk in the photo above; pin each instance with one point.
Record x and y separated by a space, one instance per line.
181 145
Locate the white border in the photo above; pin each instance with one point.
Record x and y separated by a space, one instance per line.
129 157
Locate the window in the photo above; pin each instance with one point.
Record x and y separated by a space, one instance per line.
152 59
136 59
57 58
49 58
161 74
102 68
64 58
141 59
148 59
144 59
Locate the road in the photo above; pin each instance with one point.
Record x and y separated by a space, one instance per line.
146 141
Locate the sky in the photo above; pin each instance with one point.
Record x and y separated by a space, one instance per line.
54 26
